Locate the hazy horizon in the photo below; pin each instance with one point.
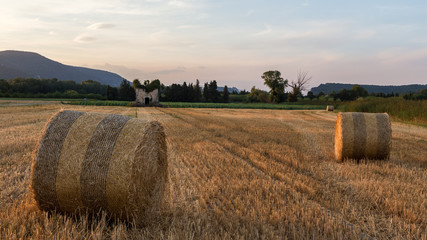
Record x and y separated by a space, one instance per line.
233 42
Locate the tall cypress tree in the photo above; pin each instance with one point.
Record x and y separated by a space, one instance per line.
226 94
197 92
127 93
213 92
206 94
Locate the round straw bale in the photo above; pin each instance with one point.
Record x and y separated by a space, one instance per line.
362 135
330 108
88 162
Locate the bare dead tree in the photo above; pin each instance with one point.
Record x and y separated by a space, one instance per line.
299 85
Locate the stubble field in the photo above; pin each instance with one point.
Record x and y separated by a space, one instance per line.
236 174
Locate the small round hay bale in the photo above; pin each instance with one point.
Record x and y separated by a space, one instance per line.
330 108
88 162
362 135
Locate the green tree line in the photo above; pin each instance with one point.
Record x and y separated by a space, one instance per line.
31 87
359 92
186 92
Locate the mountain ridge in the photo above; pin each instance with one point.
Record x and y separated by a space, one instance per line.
327 88
15 64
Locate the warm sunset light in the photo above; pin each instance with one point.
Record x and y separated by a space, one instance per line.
213 119
233 42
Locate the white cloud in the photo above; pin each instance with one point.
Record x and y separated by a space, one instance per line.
124 71
266 31
364 34
186 27
401 55
101 25
129 12
180 3
170 71
159 36
84 38
59 8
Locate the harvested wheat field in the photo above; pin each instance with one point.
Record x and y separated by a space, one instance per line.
235 174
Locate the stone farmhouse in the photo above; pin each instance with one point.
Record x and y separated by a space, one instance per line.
147 98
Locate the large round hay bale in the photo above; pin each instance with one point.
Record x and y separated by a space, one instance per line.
362 135
330 108
88 162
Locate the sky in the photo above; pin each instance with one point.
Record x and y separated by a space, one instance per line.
234 42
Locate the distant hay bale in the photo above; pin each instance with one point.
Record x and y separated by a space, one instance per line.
330 108
362 135
88 162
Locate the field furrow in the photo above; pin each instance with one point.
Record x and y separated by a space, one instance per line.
234 173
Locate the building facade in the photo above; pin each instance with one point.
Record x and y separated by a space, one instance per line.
147 98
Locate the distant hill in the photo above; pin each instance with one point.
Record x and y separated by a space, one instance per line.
327 88
15 64
230 89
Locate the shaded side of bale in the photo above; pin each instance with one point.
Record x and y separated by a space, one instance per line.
47 153
330 108
362 135
88 162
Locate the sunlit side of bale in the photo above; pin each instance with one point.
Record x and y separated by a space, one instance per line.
362 135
